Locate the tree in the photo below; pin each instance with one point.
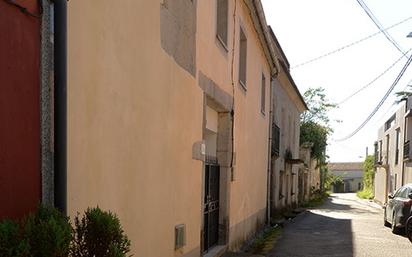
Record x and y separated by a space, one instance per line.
315 126
318 106
317 134
401 95
315 123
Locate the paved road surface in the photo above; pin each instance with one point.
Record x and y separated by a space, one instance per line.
344 226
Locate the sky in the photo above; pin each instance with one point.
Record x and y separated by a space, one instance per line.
308 29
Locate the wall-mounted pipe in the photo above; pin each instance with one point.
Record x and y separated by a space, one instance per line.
60 105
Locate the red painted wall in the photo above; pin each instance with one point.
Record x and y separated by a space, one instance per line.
20 175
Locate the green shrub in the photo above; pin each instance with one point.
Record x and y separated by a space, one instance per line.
11 243
48 233
99 233
365 194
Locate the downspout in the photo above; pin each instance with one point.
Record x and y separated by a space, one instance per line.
60 105
269 175
403 142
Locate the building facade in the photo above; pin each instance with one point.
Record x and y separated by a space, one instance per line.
171 106
169 117
389 155
288 104
351 174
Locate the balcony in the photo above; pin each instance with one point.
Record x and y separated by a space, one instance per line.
275 140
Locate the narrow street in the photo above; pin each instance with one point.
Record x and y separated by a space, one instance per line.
344 226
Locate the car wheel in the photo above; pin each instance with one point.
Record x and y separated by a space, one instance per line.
408 228
385 222
393 225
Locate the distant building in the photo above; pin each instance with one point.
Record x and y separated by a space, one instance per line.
351 174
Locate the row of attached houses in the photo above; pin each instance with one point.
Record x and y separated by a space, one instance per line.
393 167
179 116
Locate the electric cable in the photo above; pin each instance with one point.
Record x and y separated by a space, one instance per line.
373 80
380 103
380 27
350 44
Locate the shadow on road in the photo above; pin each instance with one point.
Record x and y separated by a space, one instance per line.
312 234
332 205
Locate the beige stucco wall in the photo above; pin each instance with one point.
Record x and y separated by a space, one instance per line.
388 176
286 116
408 137
134 114
133 117
248 189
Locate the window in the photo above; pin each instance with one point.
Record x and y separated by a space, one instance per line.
380 151
242 58
281 182
222 21
387 150
263 95
395 180
398 143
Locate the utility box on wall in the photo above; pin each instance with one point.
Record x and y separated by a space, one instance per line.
180 236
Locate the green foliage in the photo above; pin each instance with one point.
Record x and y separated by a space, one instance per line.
318 135
48 233
11 243
368 172
331 180
368 177
317 198
318 105
366 194
401 95
315 126
99 233
265 241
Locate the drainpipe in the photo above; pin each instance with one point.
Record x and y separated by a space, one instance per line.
60 105
403 142
269 171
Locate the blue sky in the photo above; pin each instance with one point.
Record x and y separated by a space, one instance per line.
307 29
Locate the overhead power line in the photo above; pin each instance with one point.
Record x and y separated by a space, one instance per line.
381 102
380 27
350 44
373 80
390 108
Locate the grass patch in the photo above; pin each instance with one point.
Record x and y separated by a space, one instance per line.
265 242
313 203
365 194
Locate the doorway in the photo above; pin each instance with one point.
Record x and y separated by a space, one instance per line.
211 204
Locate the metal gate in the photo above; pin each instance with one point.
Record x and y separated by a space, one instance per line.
211 205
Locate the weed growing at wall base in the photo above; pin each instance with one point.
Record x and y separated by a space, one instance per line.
365 194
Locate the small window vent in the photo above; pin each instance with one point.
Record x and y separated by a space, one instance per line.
180 236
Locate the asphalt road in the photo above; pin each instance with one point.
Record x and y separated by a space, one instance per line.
344 226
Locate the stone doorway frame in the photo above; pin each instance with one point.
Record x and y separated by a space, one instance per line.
220 101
